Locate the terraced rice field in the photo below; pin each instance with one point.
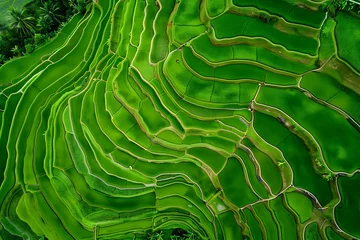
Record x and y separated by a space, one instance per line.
232 119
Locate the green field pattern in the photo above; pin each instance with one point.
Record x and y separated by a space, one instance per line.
232 119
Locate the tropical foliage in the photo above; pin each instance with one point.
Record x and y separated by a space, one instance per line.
22 22
346 5
155 236
35 24
176 234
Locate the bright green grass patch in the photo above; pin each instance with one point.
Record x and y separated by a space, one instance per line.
240 71
219 142
123 158
329 89
225 93
188 13
247 92
124 120
348 101
235 122
277 61
139 136
348 25
160 41
170 136
216 7
197 64
296 153
200 89
321 85
339 147
255 27
152 118
60 209
112 104
209 157
267 220
327 39
301 204
291 12
285 219
230 227
184 33
89 117
203 46
256 183
137 28
253 224
117 16
177 72
269 171
235 187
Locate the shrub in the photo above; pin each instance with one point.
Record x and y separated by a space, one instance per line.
29 48
2 58
346 5
40 39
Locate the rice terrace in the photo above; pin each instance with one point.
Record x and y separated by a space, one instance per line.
180 119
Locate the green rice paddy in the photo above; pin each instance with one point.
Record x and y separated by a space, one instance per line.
226 119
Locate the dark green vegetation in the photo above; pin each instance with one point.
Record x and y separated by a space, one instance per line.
27 25
183 119
353 6
349 206
5 5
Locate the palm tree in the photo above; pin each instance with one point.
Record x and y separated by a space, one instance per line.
155 236
2 58
22 23
159 235
51 12
81 6
16 51
151 236
191 236
45 25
